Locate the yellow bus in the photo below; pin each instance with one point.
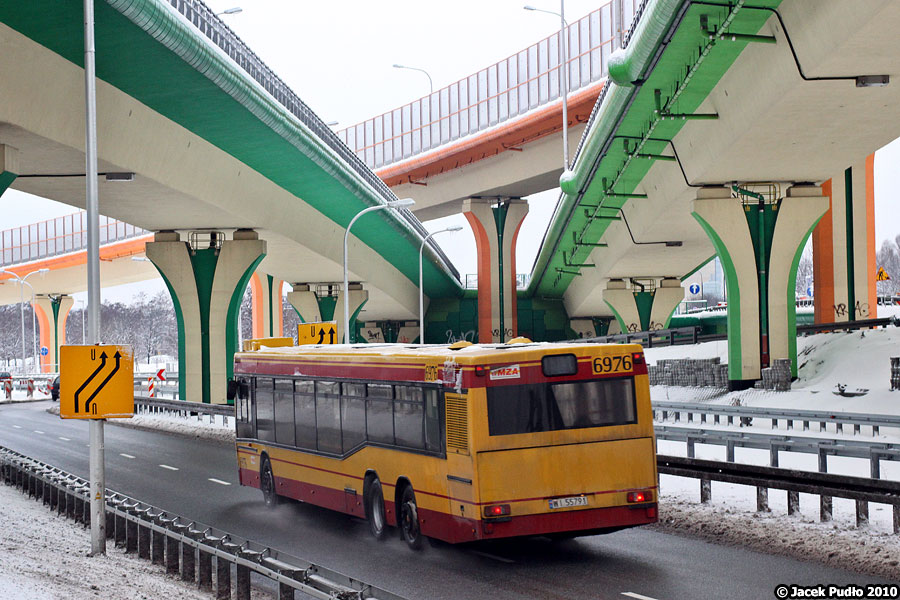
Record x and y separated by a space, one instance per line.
460 443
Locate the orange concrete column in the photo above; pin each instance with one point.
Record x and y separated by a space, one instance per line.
51 313
482 215
267 313
844 247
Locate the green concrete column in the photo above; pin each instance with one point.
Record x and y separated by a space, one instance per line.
207 282
759 240
641 310
52 312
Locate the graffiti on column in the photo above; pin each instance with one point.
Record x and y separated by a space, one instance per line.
633 328
496 334
466 336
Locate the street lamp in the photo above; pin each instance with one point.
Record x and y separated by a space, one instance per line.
403 203
22 283
564 70
421 288
230 11
430 83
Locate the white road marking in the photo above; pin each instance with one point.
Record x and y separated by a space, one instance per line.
65 439
219 481
169 468
502 559
17 426
125 455
637 596
39 431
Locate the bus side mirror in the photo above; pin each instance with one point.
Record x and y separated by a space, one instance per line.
233 387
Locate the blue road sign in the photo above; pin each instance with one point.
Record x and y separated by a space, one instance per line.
695 288
45 351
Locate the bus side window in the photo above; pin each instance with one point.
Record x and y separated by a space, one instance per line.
284 411
380 413
409 417
433 441
245 428
265 410
353 415
305 414
328 416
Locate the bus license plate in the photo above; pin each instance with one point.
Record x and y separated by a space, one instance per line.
568 502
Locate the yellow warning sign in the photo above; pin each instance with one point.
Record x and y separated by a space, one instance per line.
317 333
96 382
882 275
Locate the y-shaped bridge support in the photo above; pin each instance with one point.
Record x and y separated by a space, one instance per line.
640 309
759 241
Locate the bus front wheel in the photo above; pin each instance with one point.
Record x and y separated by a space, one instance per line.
409 519
267 484
375 510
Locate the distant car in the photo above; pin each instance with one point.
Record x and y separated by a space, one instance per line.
5 375
54 389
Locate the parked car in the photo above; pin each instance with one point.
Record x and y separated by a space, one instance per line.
5 375
54 389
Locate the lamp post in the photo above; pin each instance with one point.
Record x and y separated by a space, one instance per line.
421 288
405 202
230 11
430 83
564 70
22 283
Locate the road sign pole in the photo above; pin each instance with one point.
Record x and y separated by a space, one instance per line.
97 467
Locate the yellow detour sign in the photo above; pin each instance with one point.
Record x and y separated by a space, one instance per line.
882 275
317 333
96 382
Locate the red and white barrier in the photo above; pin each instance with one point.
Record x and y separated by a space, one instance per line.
7 387
29 388
152 386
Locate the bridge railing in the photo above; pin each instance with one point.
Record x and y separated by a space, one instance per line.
58 236
504 90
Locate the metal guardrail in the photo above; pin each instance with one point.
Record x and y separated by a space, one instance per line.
219 34
874 452
662 411
145 405
825 485
184 547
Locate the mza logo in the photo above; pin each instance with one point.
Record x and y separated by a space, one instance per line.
510 372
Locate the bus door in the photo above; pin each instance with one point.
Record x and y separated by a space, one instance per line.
460 474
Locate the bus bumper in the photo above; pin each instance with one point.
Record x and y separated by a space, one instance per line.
573 522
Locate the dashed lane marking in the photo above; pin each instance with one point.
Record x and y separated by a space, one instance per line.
125 455
169 467
219 481
502 559
65 439
17 426
39 431
637 596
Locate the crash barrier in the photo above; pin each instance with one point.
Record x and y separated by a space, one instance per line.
215 560
145 405
691 412
825 485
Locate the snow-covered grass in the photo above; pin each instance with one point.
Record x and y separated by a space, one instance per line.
33 537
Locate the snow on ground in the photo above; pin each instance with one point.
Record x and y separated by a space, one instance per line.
40 538
22 396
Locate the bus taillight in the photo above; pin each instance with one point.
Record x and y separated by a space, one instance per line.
496 510
480 370
645 496
638 358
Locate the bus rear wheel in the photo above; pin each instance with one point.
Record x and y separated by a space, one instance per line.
267 484
375 510
409 519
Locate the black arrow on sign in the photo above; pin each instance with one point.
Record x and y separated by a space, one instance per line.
90 379
331 333
87 402
321 336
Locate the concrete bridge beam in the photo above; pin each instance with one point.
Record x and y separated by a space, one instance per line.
267 313
643 310
52 311
207 282
759 241
495 223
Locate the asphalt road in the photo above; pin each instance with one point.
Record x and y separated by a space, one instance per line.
198 479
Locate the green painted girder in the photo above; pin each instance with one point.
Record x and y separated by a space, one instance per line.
636 105
223 105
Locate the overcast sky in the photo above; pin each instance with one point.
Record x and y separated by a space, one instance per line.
338 57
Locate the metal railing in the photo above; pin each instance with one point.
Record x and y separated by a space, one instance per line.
502 91
211 26
59 236
825 485
182 546
744 414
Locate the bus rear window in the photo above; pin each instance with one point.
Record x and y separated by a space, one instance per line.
557 406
